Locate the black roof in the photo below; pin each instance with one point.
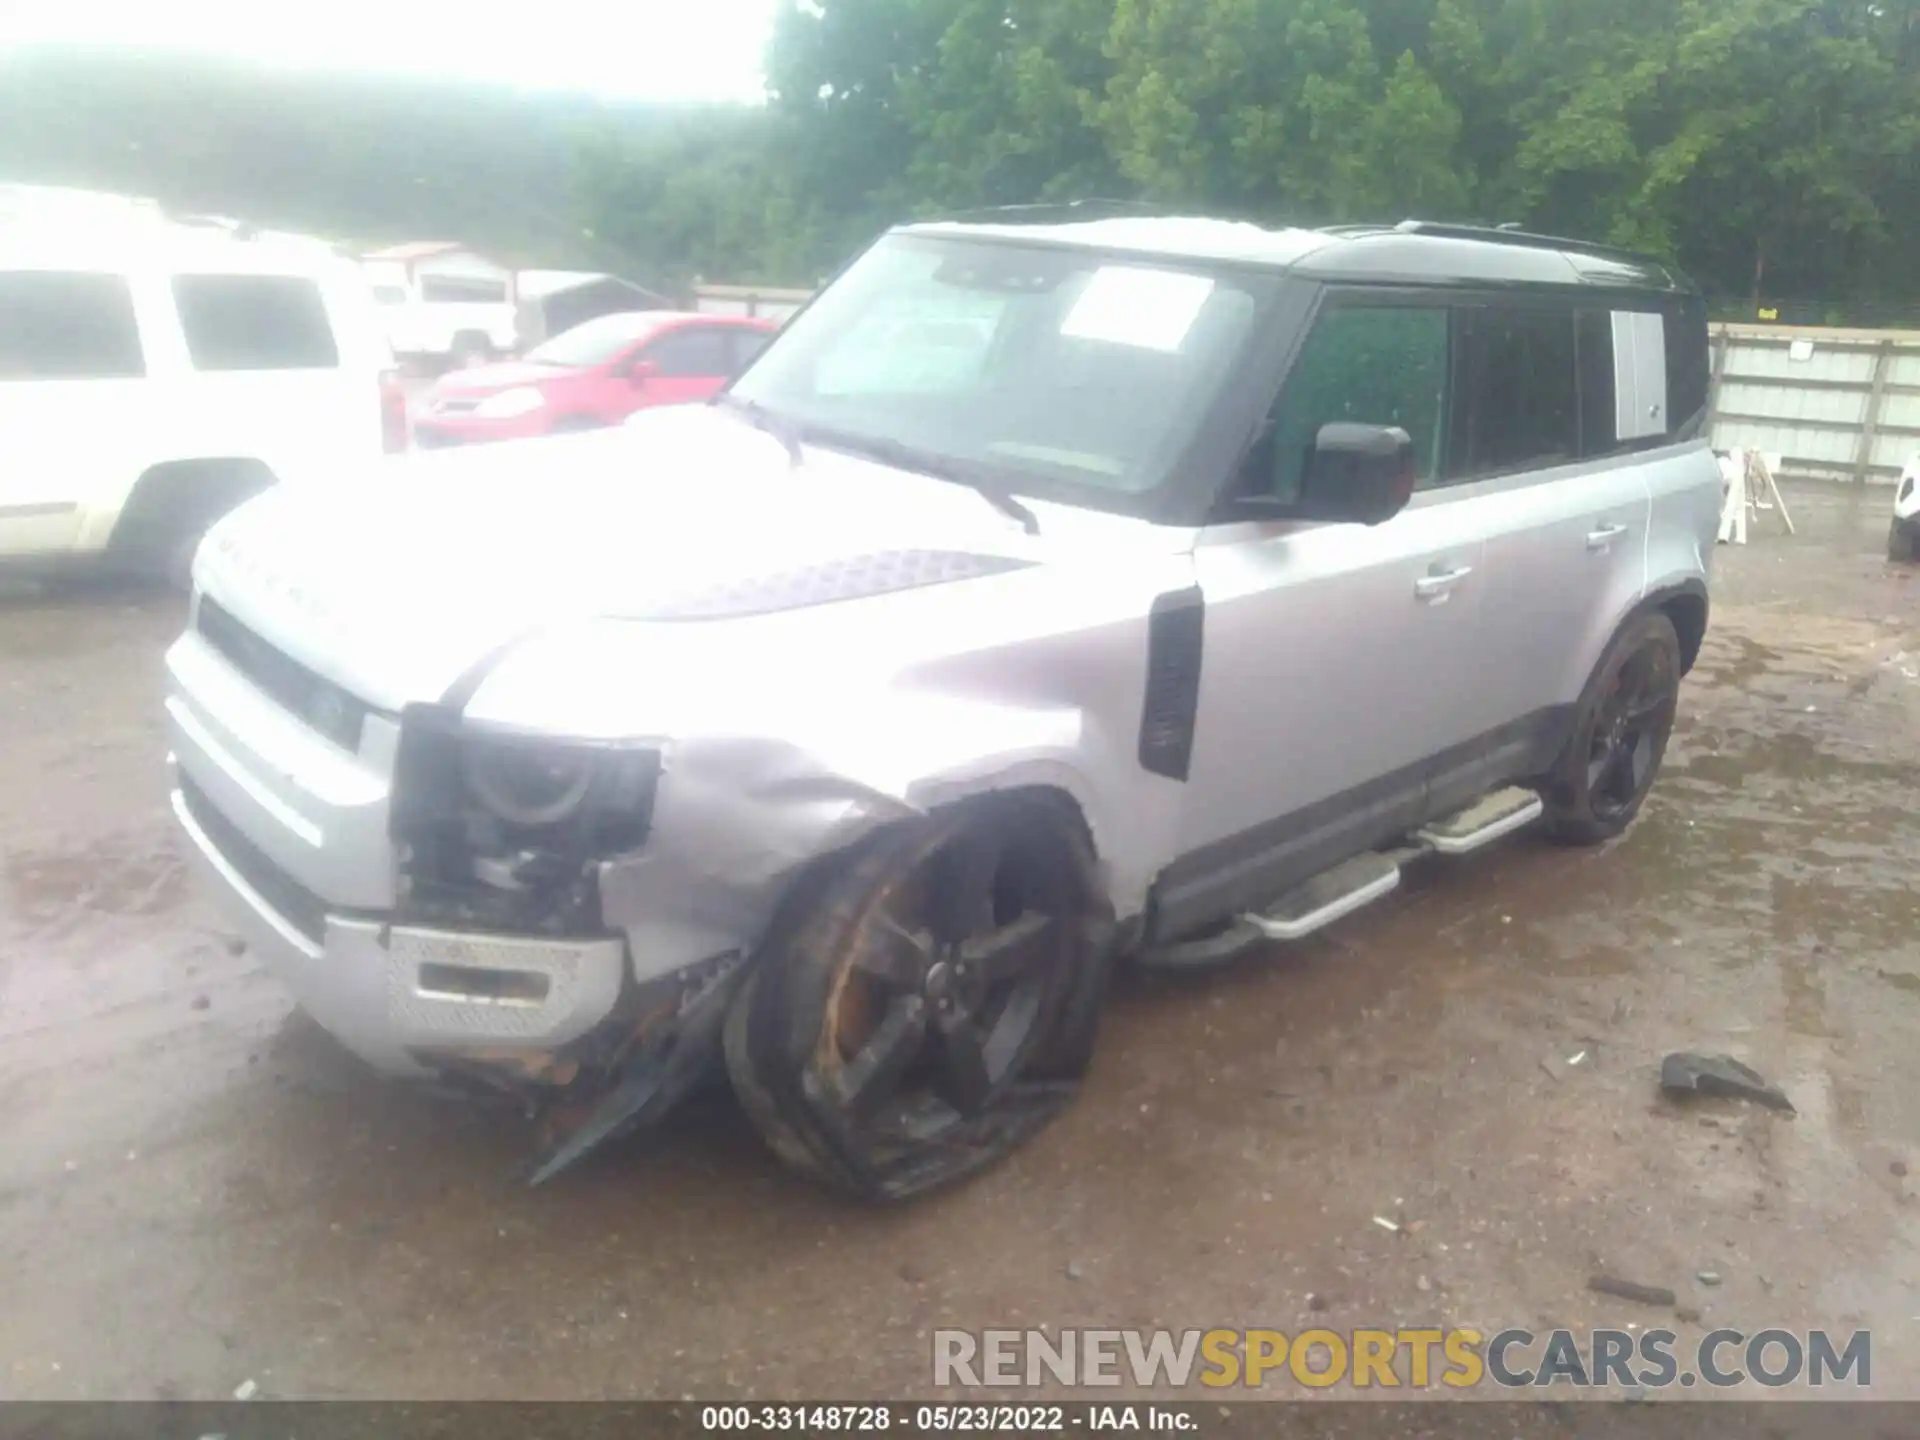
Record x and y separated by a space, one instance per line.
1419 249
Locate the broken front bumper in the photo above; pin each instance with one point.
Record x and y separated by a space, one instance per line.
391 993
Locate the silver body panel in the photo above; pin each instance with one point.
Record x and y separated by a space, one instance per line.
1354 679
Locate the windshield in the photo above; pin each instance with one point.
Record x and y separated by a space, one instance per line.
1062 371
595 342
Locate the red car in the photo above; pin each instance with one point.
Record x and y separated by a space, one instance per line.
597 373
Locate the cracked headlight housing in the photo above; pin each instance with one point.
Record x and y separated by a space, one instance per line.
482 818
526 784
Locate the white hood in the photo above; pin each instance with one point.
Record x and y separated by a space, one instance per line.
396 582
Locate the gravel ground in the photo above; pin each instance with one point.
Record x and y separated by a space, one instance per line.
197 1190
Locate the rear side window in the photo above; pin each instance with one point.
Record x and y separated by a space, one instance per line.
67 325
697 350
1517 403
1593 331
1366 366
255 322
462 290
1689 366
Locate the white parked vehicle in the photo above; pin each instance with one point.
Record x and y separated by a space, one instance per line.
441 305
155 372
1903 537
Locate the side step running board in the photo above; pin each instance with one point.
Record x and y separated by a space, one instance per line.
1500 813
1333 894
1327 897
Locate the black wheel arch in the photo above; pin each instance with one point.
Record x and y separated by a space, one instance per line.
1685 603
178 497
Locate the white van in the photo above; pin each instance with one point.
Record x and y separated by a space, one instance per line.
441 305
155 371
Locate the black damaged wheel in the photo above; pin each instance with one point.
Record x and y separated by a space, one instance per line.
929 1003
1619 736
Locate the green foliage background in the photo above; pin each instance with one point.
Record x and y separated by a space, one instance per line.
1772 147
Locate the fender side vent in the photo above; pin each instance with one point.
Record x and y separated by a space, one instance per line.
1175 630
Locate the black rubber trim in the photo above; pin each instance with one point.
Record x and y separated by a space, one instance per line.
1176 643
1692 588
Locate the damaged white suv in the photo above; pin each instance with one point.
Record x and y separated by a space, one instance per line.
1051 591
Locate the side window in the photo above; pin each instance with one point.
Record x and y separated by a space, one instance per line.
693 351
1368 366
1517 390
747 345
1640 376
462 290
1689 365
254 322
65 325
1593 339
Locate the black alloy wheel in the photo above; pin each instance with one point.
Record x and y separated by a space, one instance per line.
1620 734
930 1004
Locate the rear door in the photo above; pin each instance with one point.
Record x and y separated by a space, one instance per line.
1339 659
690 364
1537 459
75 402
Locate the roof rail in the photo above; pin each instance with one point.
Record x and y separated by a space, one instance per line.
1512 234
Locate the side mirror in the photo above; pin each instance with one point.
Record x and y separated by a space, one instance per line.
1356 474
639 372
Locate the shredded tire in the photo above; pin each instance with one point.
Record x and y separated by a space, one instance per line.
786 1034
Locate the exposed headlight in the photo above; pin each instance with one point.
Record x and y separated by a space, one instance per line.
527 784
521 400
447 774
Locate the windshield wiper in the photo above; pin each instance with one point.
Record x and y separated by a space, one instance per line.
940 467
766 421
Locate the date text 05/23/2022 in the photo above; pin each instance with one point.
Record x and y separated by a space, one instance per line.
948 1418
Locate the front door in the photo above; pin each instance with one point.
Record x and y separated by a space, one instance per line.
1339 659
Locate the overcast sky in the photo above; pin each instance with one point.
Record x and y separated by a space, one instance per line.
635 49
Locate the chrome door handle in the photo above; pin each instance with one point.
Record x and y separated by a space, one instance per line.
1435 587
1604 536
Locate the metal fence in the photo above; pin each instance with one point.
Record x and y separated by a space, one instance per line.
1831 403
766 302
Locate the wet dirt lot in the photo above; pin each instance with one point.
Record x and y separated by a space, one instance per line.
196 1190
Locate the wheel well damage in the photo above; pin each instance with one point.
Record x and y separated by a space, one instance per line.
734 832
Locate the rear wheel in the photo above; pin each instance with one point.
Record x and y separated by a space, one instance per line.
1902 536
170 510
470 349
930 1003
1619 736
